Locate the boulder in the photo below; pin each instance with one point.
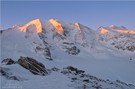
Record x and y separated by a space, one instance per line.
13 78
32 65
55 69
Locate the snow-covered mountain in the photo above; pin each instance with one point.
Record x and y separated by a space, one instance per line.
56 50
118 38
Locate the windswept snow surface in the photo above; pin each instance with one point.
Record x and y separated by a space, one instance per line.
95 58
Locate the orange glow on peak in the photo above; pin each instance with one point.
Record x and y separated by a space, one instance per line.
104 31
36 22
56 25
126 31
77 25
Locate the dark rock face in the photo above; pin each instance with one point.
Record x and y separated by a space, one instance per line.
73 50
45 51
33 66
8 61
70 48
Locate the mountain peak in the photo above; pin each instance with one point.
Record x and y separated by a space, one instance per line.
103 30
35 22
113 27
77 25
117 27
56 25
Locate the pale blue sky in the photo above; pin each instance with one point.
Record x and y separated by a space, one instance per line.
90 13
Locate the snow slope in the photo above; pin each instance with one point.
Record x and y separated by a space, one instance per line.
77 46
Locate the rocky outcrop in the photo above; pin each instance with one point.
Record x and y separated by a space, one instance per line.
81 80
8 61
33 66
3 71
72 70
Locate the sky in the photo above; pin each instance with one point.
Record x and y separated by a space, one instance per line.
89 13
